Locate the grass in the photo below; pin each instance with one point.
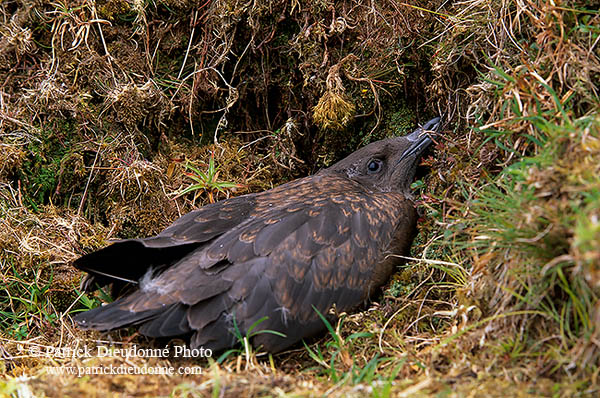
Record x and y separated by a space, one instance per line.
206 182
500 294
343 369
23 303
523 219
247 350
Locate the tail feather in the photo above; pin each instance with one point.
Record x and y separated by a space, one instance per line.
133 309
158 322
112 316
127 261
171 322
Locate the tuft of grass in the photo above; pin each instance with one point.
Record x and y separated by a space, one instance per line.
244 340
334 109
207 182
338 363
534 222
25 306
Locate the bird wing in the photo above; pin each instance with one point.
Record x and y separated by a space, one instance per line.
327 256
128 260
304 247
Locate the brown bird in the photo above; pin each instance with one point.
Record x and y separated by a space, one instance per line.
275 256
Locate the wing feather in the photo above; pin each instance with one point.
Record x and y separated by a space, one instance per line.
130 259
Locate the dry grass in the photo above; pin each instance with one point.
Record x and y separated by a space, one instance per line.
104 103
334 110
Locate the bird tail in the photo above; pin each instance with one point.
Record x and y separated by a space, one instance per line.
125 262
158 318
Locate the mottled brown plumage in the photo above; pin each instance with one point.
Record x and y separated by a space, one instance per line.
309 244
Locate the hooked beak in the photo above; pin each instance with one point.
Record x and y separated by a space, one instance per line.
420 138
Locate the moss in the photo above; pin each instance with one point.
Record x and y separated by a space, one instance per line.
402 121
71 174
111 9
40 169
333 111
11 160
511 226
403 283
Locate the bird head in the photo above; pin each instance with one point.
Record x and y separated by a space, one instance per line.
388 165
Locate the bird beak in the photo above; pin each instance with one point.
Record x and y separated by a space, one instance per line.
420 138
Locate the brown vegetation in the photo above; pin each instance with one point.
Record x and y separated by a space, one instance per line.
105 105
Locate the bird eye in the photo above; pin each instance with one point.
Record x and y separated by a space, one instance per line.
374 166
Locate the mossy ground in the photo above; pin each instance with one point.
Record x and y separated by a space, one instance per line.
109 110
